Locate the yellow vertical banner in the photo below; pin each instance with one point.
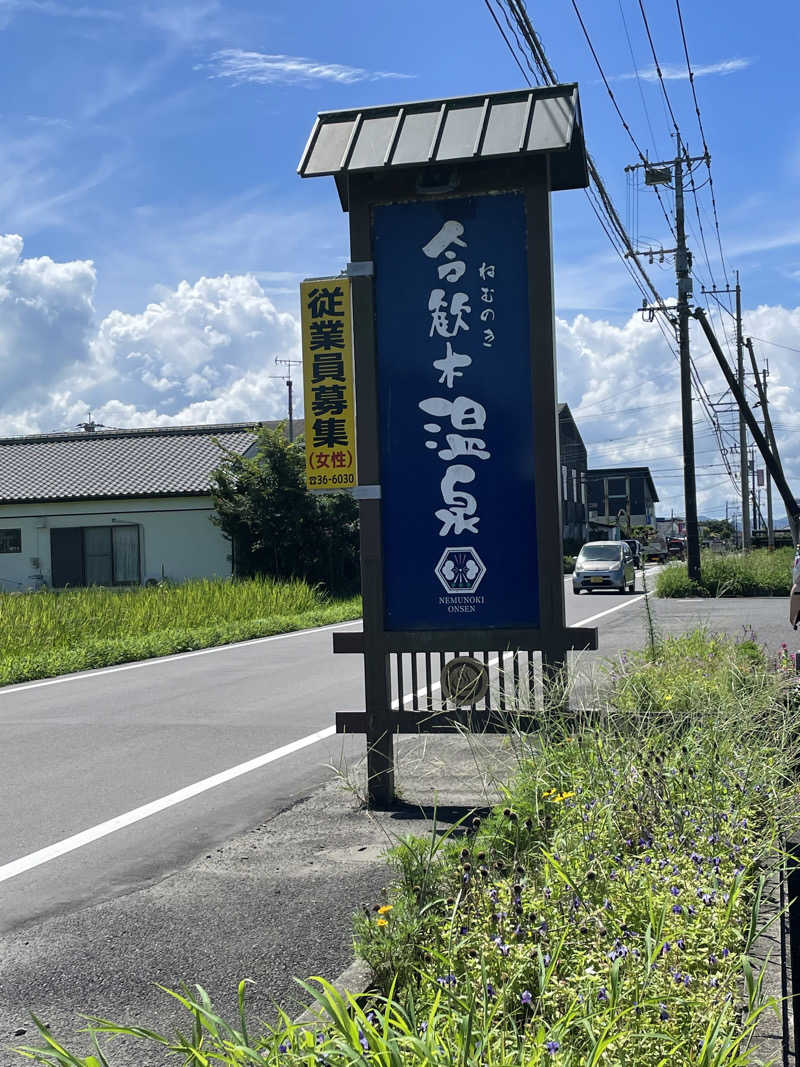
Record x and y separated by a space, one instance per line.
328 390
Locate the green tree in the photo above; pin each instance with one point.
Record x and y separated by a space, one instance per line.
278 528
643 533
719 528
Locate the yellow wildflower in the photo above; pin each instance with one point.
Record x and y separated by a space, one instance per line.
383 922
385 908
549 793
563 796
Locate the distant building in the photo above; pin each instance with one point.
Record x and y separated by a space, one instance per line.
114 507
620 497
671 527
574 516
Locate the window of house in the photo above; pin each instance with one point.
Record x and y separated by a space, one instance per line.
95 555
10 540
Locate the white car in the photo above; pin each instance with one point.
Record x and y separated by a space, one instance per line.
604 565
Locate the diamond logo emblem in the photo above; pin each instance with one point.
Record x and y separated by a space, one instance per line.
460 570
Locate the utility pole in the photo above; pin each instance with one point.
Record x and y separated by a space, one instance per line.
288 379
761 385
746 540
682 269
660 174
770 455
744 477
768 428
754 527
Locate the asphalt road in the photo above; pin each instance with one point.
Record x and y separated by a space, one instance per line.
86 749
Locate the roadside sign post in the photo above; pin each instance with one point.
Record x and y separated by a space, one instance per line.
329 397
456 409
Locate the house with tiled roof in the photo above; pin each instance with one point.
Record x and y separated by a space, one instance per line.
113 507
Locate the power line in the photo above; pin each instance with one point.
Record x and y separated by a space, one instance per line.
764 341
617 108
658 67
703 139
638 79
508 43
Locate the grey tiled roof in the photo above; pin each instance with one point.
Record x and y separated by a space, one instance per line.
167 461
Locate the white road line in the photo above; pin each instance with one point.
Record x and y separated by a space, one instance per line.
85 837
618 607
170 659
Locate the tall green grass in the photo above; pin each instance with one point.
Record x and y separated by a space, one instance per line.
757 573
56 631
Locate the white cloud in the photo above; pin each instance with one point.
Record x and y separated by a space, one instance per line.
9 8
46 320
186 24
260 69
621 383
205 352
202 340
680 72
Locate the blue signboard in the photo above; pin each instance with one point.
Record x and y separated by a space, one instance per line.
455 410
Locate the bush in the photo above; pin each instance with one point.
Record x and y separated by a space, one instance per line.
569 564
276 526
612 903
757 573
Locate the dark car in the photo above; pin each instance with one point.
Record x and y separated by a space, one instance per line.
636 550
676 548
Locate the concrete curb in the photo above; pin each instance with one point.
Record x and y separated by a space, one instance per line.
355 979
773 1036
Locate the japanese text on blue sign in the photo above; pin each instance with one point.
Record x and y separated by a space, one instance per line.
456 421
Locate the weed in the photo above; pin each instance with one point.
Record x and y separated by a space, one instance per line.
757 573
57 631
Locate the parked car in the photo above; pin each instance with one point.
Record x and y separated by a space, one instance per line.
676 548
604 565
636 550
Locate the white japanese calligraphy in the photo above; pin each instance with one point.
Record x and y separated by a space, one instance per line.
448 365
450 234
465 414
441 314
460 515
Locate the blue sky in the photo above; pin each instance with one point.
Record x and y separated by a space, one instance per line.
156 227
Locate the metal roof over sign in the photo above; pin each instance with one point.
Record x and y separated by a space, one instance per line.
429 132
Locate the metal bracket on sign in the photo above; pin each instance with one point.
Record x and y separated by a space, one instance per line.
364 268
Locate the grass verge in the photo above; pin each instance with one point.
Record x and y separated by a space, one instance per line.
57 632
604 914
757 573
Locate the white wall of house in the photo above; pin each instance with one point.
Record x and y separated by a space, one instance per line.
176 537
